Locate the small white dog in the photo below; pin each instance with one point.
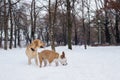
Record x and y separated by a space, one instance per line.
50 56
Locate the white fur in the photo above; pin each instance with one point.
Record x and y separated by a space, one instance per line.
56 61
63 61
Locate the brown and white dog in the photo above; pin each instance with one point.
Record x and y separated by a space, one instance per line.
50 56
31 50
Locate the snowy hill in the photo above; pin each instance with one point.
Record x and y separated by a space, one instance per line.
95 63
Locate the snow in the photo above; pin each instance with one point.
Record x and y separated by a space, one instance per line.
95 63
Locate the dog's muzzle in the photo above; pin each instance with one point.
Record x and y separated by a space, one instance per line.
65 64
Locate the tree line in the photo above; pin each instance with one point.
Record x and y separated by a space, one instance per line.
59 22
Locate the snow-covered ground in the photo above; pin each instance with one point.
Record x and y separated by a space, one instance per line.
95 63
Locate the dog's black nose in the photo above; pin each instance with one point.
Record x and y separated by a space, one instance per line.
65 64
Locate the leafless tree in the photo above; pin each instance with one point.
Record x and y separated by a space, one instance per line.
5 25
69 23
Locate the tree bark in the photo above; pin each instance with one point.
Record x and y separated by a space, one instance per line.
11 24
107 34
88 36
19 44
84 30
52 24
33 19
5 26
117 35
1 28
69 24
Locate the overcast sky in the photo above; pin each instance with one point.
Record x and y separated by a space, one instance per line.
44 2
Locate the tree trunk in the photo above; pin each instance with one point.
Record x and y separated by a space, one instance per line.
76 38
1 36
69 24
19 38
11 24
1 28
5 26
33 20
74 22
35 17
107 34
64 34
117 36
88 34
15 41
15 30
47 35
84 30
52 24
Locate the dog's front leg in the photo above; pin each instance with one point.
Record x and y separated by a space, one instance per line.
45 63
29 61
40 60
56 62
36 61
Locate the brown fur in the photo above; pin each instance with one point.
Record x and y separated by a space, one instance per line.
63 55
31 50
50 56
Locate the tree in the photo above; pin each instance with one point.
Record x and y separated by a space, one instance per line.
74 22
11 24
69 24
117 19
84 29
5 26
98 22
63 23
107 34
88 33
113 6
33 19
1 25
52 24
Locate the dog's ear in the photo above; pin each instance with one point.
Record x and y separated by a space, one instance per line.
63 55
36 43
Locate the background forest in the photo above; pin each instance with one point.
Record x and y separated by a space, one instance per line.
59 22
